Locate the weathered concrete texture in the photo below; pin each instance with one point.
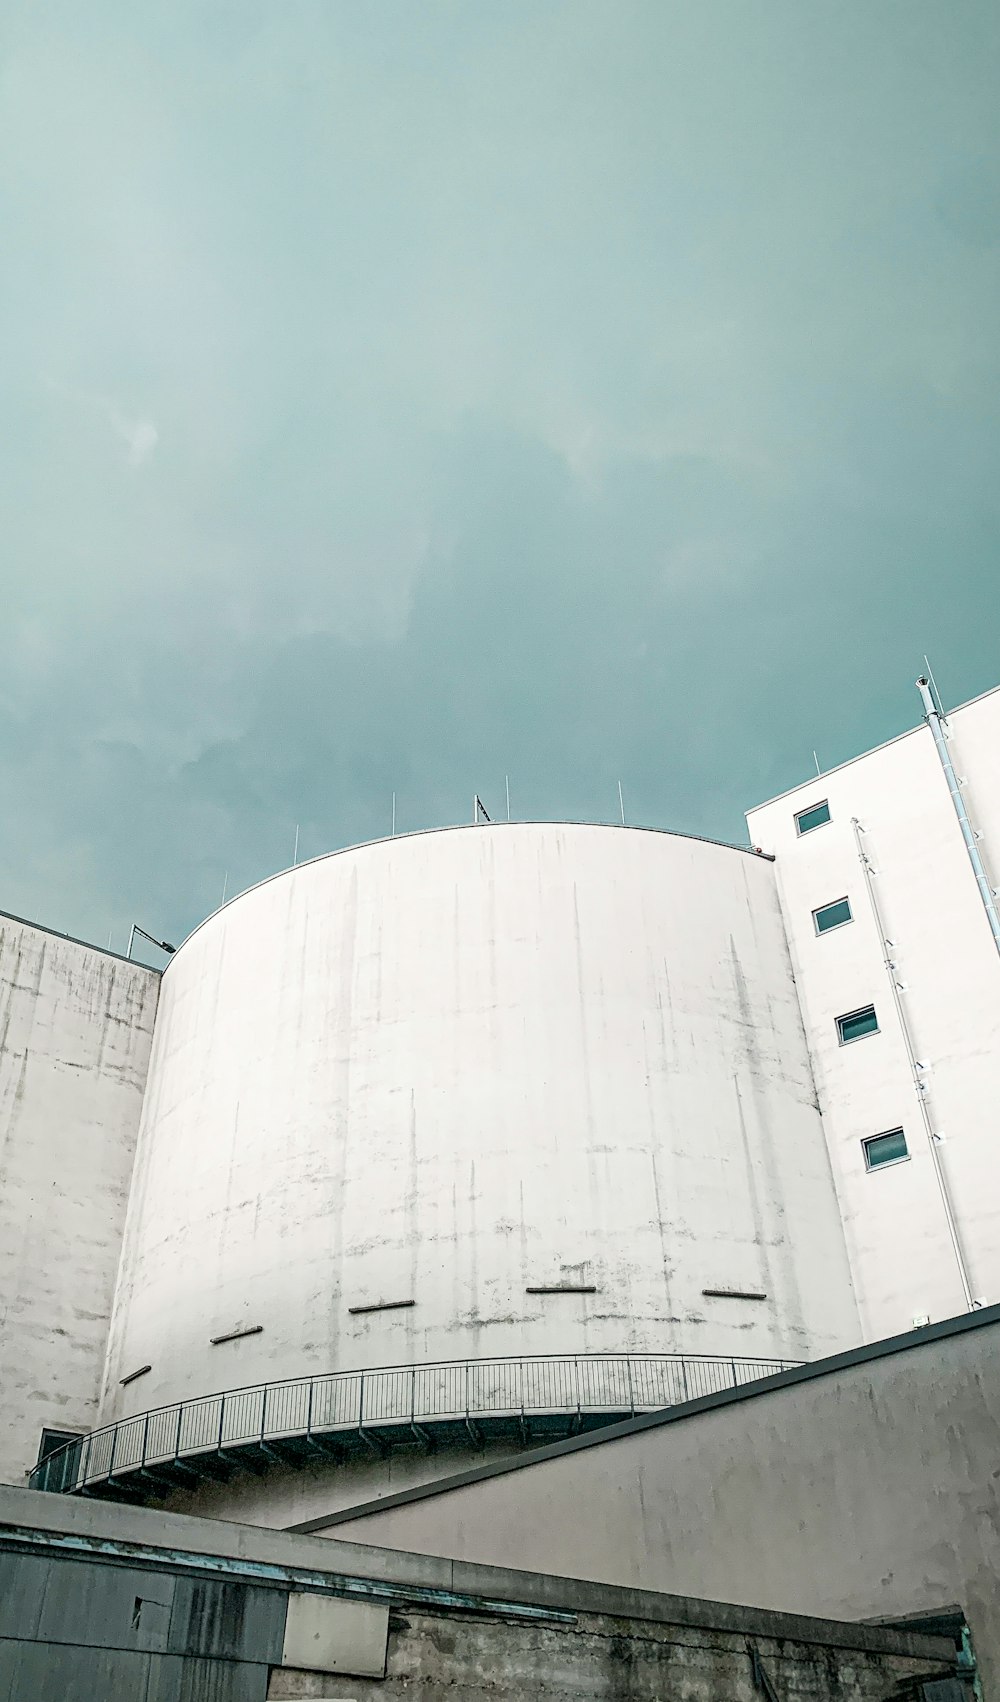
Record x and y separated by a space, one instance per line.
75 1034
446 1657
145 1605
452 1067
862 1492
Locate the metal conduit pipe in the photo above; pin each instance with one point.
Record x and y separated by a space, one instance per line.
978 868
918 1084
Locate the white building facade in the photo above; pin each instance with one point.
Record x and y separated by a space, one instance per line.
909 1088
554 1121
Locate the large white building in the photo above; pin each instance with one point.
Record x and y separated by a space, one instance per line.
555 1122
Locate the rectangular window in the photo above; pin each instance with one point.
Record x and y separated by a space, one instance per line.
58 1461
53 1440
832 915
885 1149
817 815
856 1024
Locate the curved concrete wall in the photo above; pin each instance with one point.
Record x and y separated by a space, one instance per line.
451 1067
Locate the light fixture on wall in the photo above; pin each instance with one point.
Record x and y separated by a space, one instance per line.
162 945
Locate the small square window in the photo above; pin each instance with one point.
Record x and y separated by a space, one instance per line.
856 1024
885 1149
832 915
817 815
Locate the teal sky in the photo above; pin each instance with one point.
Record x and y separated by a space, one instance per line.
397 394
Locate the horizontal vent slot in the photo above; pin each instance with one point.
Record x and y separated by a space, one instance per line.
563 1288
381 1306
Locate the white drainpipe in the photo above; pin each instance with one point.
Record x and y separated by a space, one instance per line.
978 868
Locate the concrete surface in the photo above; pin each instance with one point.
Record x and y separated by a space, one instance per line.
285 1495
862 1491
75 1033
127 1604
600 1658
89 1630
60 1525
901 1254
328 1635
451 1067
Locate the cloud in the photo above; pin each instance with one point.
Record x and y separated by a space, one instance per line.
140 436
137 432
582 390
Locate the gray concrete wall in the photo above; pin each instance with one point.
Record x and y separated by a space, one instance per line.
599 1658
866 1491
285 1494
104 1601
86 1630
75 1033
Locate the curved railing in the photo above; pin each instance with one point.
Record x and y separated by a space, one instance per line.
290 1420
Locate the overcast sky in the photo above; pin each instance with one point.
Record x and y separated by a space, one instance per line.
398 394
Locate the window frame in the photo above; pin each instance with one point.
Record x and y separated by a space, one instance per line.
832 929
821 804
868 1141
68 1437
862 1010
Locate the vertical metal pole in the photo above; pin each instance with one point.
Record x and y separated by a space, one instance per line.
816 761
224 886
131 937
918 1086
295 853
954 787
621 802
394 815
506 781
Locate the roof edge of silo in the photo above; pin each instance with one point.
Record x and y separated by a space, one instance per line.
459 827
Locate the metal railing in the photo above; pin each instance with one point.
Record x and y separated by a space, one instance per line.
273 1420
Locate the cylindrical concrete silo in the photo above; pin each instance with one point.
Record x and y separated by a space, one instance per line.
441 1073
